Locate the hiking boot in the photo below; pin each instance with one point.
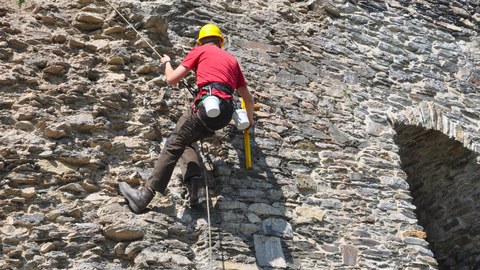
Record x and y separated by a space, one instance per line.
197 192
137 199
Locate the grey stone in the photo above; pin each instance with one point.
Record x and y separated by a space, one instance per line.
277 227
395 182
25 126
263 209
268 251
27 220
38 61
415 241
349 255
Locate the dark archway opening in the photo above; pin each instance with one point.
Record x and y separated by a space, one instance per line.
444 179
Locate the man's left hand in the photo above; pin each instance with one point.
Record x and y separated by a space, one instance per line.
165 58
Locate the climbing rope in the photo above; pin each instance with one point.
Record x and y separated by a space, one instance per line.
209 160
138 33
209 227
189 88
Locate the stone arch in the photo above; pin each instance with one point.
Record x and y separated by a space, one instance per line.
433 116
444 177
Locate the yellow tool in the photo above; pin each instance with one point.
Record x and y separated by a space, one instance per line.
246 140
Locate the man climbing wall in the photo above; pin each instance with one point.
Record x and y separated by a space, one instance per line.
218 74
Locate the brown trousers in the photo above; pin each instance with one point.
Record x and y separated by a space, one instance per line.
180 146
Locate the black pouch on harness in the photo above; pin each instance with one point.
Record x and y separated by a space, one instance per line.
215 123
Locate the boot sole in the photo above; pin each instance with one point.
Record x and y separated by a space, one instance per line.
131 203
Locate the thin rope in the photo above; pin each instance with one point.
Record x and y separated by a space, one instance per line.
143 38
138 33
208 206
206 183
209 228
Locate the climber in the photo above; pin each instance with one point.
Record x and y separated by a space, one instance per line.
218 73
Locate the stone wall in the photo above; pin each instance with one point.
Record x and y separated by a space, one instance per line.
353 99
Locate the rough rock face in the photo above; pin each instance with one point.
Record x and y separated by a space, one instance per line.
365 150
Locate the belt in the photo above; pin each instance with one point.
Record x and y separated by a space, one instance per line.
219 86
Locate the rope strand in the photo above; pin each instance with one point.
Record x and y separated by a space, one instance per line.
209 227
206 183
138 33
208 205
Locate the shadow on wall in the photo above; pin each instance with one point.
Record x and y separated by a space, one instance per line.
249 222
444 179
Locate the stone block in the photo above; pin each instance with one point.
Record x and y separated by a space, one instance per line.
349 255
265 209
55 166
123 232
277 227
268 251
310 212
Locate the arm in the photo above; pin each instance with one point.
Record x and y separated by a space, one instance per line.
249 102
173 75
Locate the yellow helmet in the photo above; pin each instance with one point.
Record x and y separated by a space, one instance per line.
210 30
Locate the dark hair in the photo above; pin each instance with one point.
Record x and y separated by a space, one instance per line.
215 40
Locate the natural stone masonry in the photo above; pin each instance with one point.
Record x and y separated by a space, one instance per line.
365 149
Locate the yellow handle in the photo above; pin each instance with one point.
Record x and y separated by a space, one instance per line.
246 140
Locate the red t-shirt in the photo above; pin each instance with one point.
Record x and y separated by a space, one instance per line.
212 64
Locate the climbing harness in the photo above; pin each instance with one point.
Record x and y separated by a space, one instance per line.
191 91
225 105
220 87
